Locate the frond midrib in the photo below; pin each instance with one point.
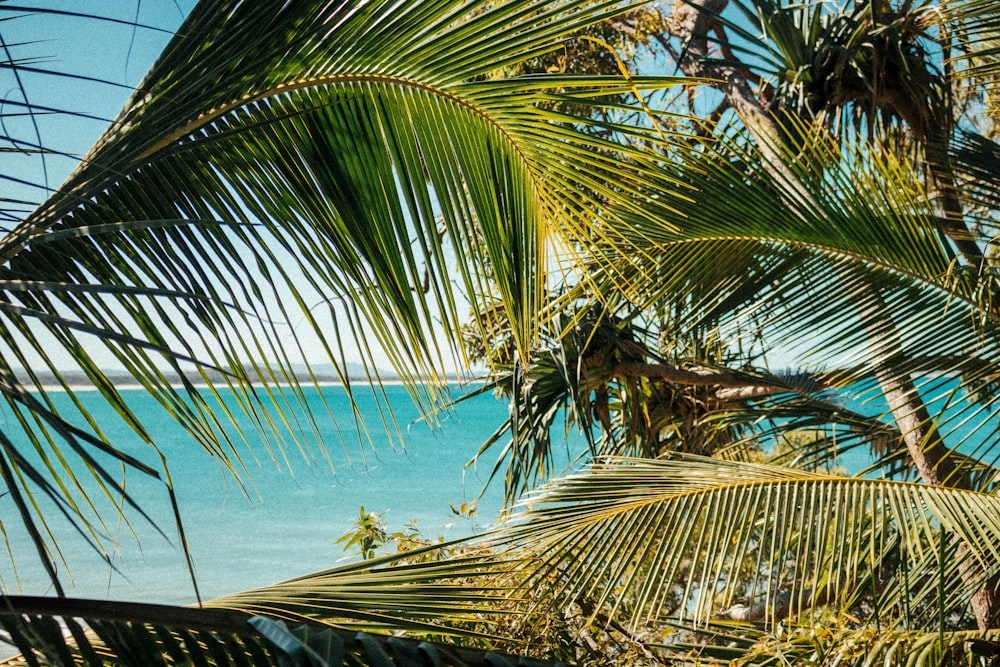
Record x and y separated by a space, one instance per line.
284 87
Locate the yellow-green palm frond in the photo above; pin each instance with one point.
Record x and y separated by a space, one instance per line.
689 540
700 538
835 254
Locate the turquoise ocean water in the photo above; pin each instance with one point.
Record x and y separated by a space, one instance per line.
291 520
291 528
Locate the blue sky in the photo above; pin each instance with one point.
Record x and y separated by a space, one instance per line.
112 51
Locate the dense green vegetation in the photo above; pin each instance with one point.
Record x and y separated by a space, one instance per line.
643 256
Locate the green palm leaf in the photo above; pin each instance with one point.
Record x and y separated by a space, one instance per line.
864 285
685 538
316 163
689 536
97 632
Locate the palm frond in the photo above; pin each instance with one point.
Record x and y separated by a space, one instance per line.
97 632
836 281
325 164
690 537
686 538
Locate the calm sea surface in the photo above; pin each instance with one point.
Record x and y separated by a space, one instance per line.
289 523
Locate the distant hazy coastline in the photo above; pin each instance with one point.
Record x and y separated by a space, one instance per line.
324 377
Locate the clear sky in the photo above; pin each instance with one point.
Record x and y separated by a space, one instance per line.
116 51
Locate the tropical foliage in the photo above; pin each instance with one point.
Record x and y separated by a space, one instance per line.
268 163
99 631
820 194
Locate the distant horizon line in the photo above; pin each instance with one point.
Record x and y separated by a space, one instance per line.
78 379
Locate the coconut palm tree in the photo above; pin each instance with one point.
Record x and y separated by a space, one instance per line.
841 232
843 211
278 156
